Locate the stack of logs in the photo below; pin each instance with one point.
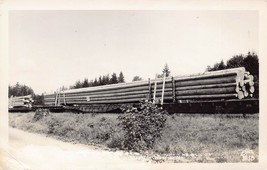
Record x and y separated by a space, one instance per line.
21 101
216 85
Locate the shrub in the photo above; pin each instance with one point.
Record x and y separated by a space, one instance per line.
142 125
40 113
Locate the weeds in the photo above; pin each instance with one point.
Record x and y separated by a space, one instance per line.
207 138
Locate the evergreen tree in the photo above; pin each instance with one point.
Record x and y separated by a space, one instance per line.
217 66
78 84
95 82
251 63
136 78
121 78
113 79
100 82
235 61
166 70
85 83
106 79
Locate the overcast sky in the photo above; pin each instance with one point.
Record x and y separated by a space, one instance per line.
49 49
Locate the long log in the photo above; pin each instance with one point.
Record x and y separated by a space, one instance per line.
239 72
114 101
160 90
108 92
136 97
159 85
233 95
22 97
120 97
207 86
103 93
107 102
107 98
108 87
207 91
109 95
231 79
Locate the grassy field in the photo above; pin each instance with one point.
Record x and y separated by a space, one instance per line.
186 138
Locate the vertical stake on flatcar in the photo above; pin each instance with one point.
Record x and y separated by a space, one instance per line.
64 97
59 97
155 89
173 91
163 89
149 89
56 98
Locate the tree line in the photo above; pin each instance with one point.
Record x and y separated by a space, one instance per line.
101 80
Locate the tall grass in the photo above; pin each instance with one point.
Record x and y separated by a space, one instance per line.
194 138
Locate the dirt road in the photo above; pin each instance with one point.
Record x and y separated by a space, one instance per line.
34 151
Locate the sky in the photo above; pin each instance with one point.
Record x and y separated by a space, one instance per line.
49 49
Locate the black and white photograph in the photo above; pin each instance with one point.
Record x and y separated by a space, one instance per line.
133 88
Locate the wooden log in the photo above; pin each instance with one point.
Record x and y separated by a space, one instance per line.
113 101
167 94
108 87
239 72
160 90
251 77
114 97
109 98
211 96
207 86
120 97
106 102
240 95
109 92
246 94
252 89
22 97
248 81
222 80
207 91
160 85
135 98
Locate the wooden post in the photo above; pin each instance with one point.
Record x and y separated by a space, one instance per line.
59 97
149 89
155 90
173 90
64 97
163 87
56 99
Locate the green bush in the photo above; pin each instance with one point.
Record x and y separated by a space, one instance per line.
142 125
